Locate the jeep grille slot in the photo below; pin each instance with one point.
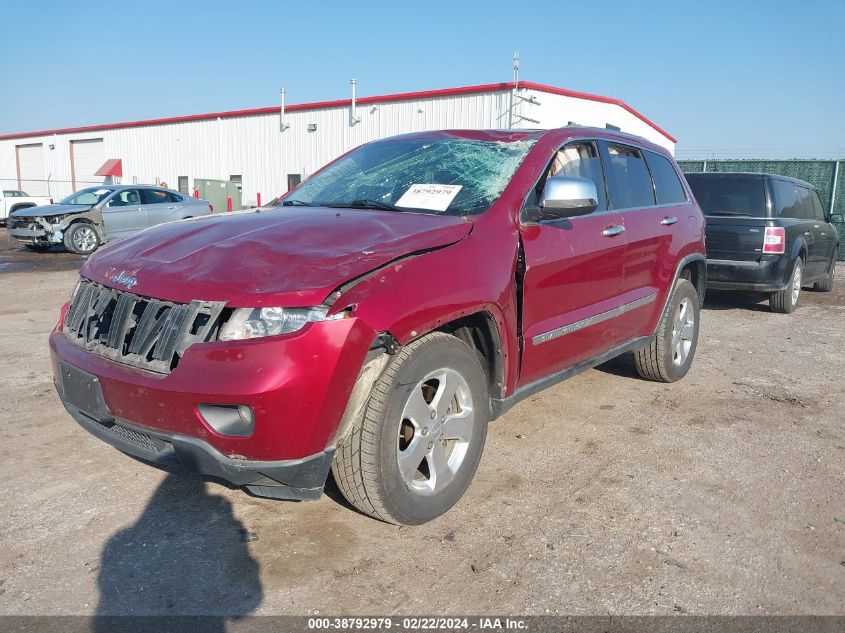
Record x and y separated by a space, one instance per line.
146 333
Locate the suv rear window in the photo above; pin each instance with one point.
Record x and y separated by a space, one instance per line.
729 195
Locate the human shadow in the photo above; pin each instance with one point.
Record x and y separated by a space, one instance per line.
186 555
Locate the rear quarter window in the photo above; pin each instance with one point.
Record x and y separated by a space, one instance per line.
785 200
667 186
729 195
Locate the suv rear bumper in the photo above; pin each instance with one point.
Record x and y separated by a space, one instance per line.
770 274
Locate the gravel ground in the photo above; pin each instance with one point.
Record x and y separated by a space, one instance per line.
721 494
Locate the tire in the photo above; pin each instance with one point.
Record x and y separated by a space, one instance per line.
81 238
826 284
785 301
669 356
397 428
38 248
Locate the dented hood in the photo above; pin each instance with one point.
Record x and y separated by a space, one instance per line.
287 257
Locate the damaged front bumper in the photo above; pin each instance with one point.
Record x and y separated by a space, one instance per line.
38 231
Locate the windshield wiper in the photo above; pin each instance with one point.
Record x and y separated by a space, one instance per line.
296 203
363 203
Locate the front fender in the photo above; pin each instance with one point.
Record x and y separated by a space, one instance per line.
425 292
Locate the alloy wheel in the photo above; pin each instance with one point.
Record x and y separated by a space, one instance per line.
84 239
435 431
683 331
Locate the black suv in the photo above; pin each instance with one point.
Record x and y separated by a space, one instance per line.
765 233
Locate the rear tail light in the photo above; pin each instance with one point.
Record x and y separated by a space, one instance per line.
774 241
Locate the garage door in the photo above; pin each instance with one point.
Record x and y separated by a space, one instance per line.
86 157
32 176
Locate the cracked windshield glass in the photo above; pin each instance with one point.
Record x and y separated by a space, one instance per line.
448 177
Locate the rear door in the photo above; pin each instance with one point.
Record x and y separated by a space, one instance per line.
815 232
161 206
123 214
573 275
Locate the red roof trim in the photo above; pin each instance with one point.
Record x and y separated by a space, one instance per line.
112 167
401 96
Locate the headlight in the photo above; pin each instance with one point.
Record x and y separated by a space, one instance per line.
257 322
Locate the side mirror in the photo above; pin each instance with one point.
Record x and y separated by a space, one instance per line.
836 217
567 196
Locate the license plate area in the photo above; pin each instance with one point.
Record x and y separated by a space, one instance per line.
82 390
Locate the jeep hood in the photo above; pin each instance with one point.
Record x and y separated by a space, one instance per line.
286 257
50 210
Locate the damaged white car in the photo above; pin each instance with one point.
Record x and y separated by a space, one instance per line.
91 217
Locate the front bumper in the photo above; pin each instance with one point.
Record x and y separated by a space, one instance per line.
296 479
770 274
297 386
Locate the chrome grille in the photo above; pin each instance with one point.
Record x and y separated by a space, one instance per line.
146 333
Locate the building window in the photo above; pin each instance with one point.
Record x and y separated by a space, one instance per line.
294 180
183 184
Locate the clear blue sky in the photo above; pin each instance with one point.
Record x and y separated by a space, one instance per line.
742 78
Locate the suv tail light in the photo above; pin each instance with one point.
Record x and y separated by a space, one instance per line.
774 240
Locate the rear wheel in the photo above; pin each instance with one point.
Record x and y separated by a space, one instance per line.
415 450
81 238
669 356
826 284
785 301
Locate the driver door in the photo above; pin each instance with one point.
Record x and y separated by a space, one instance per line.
123 214
573 275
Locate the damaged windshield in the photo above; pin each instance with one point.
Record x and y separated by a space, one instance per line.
449 176
89 196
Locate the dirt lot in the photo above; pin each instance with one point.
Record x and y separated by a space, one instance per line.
721 494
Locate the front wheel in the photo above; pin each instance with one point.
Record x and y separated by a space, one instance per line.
669 356
785 301
81 238
826 284
415 450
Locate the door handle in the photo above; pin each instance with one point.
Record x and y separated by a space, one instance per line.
171 207
669 220
613 230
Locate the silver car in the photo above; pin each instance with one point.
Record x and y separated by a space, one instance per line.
93 216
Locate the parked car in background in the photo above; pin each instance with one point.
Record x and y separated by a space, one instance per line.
373 324
765 233
96 215
15 199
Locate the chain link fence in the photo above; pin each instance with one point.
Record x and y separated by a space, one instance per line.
822 174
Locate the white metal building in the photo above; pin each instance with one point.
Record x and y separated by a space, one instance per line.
268 148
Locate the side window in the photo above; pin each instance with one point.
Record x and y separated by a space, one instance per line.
579 160
125 198
155 196
175 197
818 212
785 200
805 199
667 186
628 180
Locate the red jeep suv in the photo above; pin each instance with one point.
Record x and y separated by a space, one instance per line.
393 304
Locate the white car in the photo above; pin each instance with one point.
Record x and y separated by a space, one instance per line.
14 199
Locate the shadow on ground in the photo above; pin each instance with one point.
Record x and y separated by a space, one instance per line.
186 554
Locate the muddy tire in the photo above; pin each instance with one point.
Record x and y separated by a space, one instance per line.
81 238
669 356
415 450
826 284
785 301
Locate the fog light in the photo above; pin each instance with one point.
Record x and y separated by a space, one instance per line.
236 420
